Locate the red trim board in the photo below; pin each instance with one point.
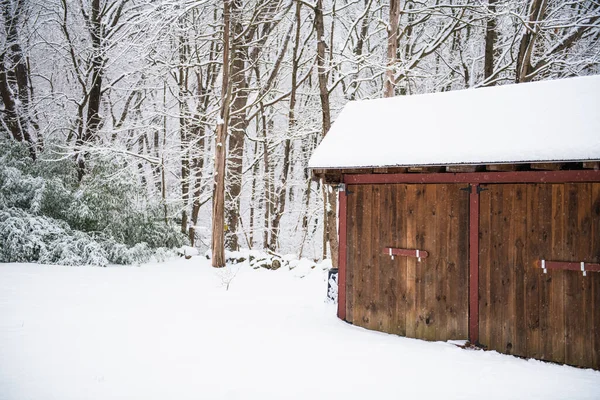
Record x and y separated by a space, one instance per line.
342 201
478 177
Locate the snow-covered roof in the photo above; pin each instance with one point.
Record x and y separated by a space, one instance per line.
531 122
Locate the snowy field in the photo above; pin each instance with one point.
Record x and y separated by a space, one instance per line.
173 331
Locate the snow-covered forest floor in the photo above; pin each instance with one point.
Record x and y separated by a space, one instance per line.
174 331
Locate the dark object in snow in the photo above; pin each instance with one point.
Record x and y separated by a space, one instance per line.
267 263
332 285
467 345
271 261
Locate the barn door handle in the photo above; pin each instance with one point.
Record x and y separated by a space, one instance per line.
393 251
545 265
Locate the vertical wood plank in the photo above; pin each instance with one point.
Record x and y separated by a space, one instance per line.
359 269
430 266
443 273
474 264
595 278
399 198
354 219
384 231
449 294
584 252
374 298
485 250
367 259
544 205
531 274
411 263
573 282
498 266
507 271
556 332
519 241
420 272
350 248
462 263
343 253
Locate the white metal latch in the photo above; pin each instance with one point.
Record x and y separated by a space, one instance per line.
583 268
391 254
544 266
418 256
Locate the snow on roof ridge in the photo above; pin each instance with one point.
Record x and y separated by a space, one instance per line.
530 122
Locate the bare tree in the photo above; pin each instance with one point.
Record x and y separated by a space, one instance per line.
218 214
329 196
550 30
15 90
392 48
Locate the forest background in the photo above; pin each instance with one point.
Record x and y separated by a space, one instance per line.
117 116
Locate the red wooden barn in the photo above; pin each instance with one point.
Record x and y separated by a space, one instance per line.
474 215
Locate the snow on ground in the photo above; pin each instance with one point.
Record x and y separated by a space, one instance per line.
173 331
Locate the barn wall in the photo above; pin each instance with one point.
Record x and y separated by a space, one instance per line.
522 311
405 296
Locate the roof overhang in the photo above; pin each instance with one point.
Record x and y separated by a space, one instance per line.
542 123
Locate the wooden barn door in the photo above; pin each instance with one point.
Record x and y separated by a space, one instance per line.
426 299
522 311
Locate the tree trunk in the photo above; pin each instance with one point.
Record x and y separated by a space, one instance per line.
305 217
11 119
358 49
490 41
287 148
239 90
15 87
198 166
331 201
218 198
95 92
268 180
392 48
204 88
184 131
524 68
253 197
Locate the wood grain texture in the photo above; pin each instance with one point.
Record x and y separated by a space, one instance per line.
544 228
351 248
411 263
595 257
573 282
365 291
518 239
460 260
532 276
400 266
485 253
552 316
556 333
442 289
403 295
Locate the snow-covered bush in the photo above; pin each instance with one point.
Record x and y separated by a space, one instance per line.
47 217
26 237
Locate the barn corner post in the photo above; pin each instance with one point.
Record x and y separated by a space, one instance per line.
474 263
342 253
